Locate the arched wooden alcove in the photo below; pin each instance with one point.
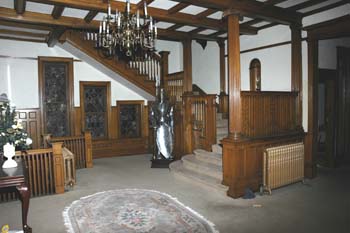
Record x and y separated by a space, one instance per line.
255 75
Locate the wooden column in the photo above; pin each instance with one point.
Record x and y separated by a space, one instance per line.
221 44
311 139
234 78
187 66
164 66
297 81
20 6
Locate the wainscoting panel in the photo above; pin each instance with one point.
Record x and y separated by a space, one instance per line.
31 123
119 147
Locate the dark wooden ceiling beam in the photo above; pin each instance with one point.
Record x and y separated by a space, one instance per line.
274 2
174 27
20 6
141 3
22 33
57 12
250 8
90 16
158 14
76 23
205 13
197 30
178 7
45 19
23 25
55 35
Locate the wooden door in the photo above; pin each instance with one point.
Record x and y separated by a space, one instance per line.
326 133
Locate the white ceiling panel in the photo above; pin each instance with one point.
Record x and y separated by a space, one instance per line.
290 3
100 16
223 35
193 10
164 25
207 32
163 4
245 19
39 8
71 12
7 3
185 28
326 3
216 15
263 23
131 1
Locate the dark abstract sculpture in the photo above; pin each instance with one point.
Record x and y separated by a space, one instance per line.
162 121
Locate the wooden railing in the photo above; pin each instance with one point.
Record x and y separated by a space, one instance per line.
223 105
199 119
80 146
174 86
45 171
149 66
267 114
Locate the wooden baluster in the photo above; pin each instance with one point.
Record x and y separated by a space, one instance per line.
88 149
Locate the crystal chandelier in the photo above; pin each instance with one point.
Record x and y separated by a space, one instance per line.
127 35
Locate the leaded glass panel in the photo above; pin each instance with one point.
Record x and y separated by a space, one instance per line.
95 106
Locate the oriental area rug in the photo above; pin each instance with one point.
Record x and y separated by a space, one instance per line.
133 211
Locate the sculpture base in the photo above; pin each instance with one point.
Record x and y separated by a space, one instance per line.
161 163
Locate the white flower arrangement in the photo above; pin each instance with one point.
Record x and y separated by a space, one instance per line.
11 129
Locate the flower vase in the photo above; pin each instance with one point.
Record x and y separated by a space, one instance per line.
9 153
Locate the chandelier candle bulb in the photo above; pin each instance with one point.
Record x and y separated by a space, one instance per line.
128 6
145 9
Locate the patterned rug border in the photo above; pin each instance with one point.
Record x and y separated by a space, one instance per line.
70 229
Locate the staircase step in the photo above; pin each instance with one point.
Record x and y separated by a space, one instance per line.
221 130
216 148
214 184
208 157
222 123
219 137
191 162
218 116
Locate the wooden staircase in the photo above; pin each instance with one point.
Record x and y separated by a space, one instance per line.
202 167
140 74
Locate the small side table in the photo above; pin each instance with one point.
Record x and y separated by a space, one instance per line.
18 178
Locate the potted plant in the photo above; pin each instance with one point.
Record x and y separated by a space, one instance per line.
12 135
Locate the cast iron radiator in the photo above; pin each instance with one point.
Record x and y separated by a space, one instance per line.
283 165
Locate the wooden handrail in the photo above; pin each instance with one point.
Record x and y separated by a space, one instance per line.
81 146
199 119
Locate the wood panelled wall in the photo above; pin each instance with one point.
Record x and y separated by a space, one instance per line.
114 146
31 123
268 113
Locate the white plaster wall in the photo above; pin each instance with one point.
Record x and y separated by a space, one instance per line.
176 54
327 58
19 77
206 67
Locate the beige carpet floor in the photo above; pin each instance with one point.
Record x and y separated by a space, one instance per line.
320 205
